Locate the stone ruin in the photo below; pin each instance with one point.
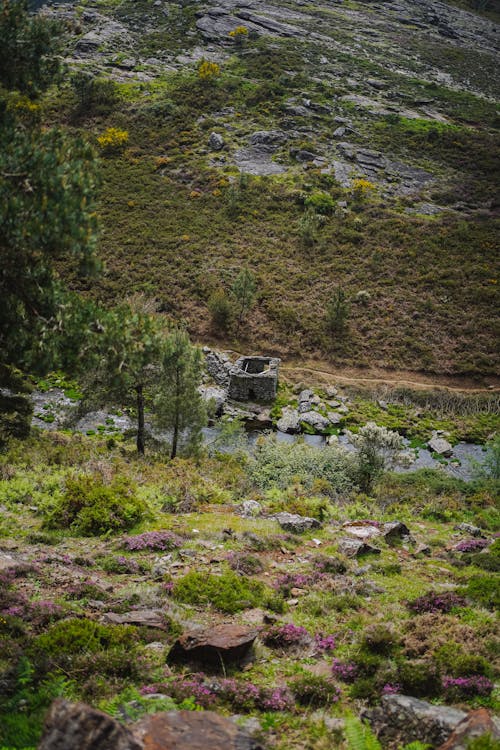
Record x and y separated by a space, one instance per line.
254 379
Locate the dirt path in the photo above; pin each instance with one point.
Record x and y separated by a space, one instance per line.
317 372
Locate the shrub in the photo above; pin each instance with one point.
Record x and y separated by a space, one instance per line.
227 592
377 448
485 561
346 671
435 602
208 71
286 636
153 540
246 564
277 464
325 564
221 309
113 140
379 639
458 688
419 678
97 96
314 691
454 661
337 312
361 188
471 545
74 636
320 202
484 590
91 507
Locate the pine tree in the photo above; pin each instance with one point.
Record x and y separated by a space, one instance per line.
244 290
179 406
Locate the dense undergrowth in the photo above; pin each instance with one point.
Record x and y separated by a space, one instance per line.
419 619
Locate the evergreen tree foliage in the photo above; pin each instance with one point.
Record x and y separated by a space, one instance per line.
179 406
47 188
244 290
124 362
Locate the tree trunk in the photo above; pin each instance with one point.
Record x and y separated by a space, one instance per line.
140 420
175 436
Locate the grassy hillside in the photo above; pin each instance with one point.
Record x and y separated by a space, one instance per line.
414 250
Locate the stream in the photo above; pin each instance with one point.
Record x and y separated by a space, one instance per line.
53 410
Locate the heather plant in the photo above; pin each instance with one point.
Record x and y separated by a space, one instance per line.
346 671
465 688
325 643
153 540
286 636
314 691
276 699
436 602
245 564
471 545
90 506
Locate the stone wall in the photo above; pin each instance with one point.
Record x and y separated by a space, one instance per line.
254 379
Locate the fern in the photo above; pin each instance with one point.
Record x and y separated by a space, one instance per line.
417 745
359 736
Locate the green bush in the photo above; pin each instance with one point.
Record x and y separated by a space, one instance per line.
314 691
379 639
227 592
485 590
76 636
280 465
455 662
320 202
419 678
91 507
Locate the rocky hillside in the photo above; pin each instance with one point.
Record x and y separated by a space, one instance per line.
337 147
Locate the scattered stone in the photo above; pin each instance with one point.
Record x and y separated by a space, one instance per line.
76 725
422 549
317 421
394 531
268 138
356 548
215 397
214 648
250 509
476 724
334 418
295 523
152 618
468 528
8 562
216 142
191 730
289 421
362 529
440 446
401 719
161 565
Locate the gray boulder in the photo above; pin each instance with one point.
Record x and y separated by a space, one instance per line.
296 524
216 142
317 421
289 421
441 446
250 509
268 138
401 719
468 528
356 548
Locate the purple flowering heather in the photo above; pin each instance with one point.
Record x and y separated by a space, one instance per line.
344 670
471 545
277 699
467 687
284 636
154 540
435 602
325 642
391 689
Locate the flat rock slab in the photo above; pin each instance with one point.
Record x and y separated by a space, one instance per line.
356 548
441 446
295 523
152 618
191 730
289 421
362 529
221 645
